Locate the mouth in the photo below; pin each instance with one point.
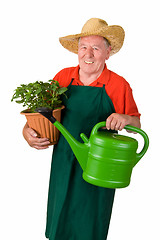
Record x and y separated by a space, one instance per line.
88 62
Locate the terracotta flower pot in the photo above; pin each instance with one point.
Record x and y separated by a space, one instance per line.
43 126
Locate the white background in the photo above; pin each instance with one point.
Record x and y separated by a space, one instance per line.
30 51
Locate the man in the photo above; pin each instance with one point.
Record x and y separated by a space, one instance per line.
76 209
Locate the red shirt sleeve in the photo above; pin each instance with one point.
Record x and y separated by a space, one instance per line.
64 76
120 92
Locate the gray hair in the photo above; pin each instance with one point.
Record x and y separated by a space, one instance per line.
107 42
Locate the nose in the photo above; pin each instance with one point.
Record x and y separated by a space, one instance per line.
89 52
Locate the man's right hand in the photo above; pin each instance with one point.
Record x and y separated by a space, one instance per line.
33 140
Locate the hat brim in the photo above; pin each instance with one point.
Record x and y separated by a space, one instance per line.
114 34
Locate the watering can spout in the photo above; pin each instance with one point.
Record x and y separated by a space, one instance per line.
80 149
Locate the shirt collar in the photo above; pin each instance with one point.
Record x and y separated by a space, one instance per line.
103 78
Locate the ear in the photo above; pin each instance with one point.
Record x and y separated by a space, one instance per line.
108 52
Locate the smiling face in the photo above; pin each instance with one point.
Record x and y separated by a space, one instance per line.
92 54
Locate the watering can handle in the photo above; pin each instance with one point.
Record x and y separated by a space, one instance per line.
133 129
146 141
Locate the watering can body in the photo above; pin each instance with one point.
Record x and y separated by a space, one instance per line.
107 159
111 159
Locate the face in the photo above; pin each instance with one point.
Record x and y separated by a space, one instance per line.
92 54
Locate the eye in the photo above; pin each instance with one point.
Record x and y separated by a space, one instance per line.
95 48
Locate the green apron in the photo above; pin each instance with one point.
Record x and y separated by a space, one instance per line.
78 210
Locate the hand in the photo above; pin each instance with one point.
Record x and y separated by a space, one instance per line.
118 121
33 140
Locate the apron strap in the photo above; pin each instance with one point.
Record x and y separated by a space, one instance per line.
71 82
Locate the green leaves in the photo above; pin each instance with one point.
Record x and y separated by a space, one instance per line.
39 94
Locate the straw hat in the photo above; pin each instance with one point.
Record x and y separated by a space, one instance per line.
95 26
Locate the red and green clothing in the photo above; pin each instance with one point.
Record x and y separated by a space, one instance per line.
117 88
78 210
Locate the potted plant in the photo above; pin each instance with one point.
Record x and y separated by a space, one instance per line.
41 94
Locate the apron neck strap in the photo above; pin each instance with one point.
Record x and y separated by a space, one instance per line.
71 82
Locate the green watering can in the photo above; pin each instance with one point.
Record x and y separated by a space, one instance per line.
107 159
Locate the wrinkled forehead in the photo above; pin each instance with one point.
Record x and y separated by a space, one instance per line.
92 38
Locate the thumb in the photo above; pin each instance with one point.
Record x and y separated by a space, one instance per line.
32 132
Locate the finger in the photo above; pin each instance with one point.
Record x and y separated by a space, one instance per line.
122 125
41 143
108 122
113 123
117 126
40 148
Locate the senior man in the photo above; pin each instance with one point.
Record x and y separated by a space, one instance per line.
78 210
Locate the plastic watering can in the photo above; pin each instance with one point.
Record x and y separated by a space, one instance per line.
107 159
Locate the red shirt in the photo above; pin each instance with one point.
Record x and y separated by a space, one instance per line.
117 88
